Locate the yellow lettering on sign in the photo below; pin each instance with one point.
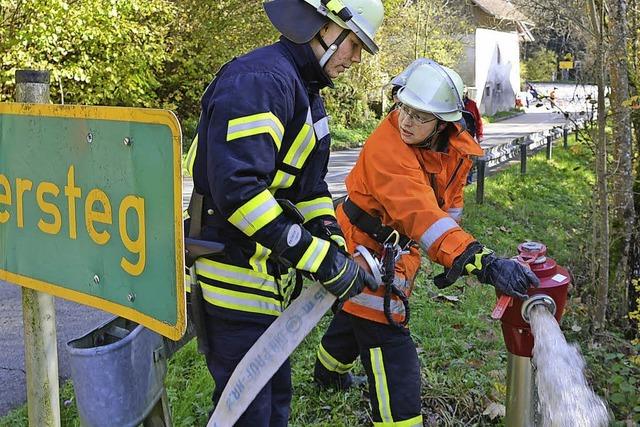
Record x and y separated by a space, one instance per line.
72 192
22 185
5 198
48 208
102 216
138 246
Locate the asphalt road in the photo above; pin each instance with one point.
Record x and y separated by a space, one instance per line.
73 320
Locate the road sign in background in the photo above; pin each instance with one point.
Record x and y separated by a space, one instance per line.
90 208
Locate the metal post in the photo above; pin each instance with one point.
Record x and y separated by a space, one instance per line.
482 166
38 310
549 146
521 393
523 157
565 137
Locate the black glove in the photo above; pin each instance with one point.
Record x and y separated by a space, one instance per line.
342 276
327 228
506 275
337 272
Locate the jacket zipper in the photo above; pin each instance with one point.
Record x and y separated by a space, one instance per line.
455 172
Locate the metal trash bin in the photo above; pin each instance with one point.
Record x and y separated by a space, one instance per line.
118 373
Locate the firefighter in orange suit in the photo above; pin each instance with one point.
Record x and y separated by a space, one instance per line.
404 193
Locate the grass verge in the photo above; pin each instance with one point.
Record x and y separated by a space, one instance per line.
462 354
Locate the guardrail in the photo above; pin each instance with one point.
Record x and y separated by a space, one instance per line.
522 146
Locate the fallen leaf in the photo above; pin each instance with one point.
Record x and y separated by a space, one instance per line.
451 298
494 410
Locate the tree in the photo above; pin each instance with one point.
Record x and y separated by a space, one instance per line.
541 66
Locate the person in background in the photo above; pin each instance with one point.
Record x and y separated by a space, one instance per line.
473 122
405 192
259 170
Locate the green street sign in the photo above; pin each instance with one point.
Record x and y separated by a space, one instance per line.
90 208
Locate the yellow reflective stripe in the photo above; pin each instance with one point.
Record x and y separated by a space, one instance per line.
316 207
256 213
282 180
331 363
301 147
255 125
259 259
335 6
187 166
411 422
187 281
240 300
382 391
339 240
477 261
235 275
313 256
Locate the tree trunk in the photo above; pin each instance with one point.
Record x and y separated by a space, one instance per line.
623 212
601 216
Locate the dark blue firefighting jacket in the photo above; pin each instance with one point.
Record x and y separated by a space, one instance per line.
263 135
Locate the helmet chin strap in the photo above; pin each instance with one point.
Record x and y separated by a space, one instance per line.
330 50
428 141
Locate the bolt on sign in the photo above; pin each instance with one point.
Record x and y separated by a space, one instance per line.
90 208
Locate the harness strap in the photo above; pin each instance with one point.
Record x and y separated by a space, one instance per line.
372 225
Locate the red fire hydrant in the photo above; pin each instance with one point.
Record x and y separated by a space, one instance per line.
515 315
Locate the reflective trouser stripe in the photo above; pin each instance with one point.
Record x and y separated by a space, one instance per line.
437 230
411 422
255 125
331 363
313 256
187 167
259 259
256 213
240 300
455 213
382 391
317 207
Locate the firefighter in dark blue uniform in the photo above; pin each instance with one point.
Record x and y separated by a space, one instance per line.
260 164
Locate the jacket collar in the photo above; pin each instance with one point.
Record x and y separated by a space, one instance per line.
308 66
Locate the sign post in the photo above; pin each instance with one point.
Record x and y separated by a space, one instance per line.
38 309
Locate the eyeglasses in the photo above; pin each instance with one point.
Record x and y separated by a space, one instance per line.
416 116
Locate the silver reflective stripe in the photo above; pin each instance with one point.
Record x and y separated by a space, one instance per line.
319 204
254 124
235 277
321 127
376 303
455 213
436 230
401 284
231 301
320 246
250 218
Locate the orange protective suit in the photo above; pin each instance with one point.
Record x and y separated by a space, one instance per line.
416 191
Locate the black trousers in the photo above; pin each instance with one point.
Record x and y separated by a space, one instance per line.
390 359
229 341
